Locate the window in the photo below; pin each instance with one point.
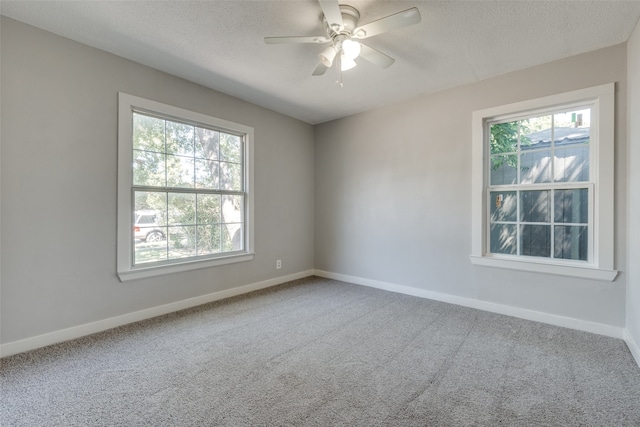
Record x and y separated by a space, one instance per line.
543 185
183 190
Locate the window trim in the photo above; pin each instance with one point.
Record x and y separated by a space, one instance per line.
601 267
125 268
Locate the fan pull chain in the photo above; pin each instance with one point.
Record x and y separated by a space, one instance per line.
339 70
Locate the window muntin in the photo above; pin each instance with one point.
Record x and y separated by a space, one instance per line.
539 185
184 190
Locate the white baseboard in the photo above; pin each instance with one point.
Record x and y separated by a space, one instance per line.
55 337
522 313
634 348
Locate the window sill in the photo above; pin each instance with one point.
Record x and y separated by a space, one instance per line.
586 272
145 272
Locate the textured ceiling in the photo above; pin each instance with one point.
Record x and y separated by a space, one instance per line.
219 44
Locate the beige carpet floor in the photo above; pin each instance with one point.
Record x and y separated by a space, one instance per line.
318 352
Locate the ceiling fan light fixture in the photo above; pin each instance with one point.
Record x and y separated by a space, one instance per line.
347 63
351 49
327 56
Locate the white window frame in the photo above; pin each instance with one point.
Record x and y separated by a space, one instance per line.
126 269
601 263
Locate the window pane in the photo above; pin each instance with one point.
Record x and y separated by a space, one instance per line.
571 206
504 137
572 133
503 206
534 206
232 237
148 133
180 171
150 235
571 242
207 144
504 169
503 239
230 176
150 251
149 227
232 209
230 148
209 209
182 241
152 202
157 234
535 132
535 167
207 174
148 168
572 127
179 139
536 240
209 241
182 209
572 164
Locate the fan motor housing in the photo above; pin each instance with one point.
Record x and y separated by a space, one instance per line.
350 18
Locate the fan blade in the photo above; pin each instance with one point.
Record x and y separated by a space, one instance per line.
375 57
331 10
391 22
320 70
296 39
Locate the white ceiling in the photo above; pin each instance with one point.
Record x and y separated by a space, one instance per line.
219 44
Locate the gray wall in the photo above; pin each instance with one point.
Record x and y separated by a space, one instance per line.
633 281
59 129
392 193
392 190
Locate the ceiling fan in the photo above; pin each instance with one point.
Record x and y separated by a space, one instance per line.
342 33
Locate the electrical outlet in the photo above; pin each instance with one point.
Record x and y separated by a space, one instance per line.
278 264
